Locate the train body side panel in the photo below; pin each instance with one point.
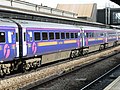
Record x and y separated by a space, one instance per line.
49 46
93 37
7 44
111 36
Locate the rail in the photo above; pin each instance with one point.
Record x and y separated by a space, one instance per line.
93 82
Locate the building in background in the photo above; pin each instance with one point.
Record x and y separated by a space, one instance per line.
109 16
84 11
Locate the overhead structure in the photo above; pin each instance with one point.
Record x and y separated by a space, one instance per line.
116 1
84 11
35 8
14 9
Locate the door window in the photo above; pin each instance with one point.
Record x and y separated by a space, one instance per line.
2 37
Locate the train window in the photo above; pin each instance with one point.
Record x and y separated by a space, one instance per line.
24 36
2 37
51 35
62 35
96 35
87 35
76 35
57 35
101 34
16 37
72 35
30 34
79 34
92 34
67 36
36 36
10 36
44 36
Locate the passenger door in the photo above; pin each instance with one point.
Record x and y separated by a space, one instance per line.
106 36
17 42
83 37
24 42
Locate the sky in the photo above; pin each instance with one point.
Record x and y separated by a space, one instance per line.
53 3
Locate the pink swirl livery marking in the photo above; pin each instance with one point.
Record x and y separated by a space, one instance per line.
6 51
78 42
86 41
34 48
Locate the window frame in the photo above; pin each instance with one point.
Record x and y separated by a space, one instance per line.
39 37
68 35
76 33
4 36
42 36
53 35
59 36
64 35
71 35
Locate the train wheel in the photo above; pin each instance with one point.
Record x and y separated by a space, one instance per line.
85 52
101 47
2 73
72 55
76 53
27 66
39 63
22 67
34 65
7 70
80 53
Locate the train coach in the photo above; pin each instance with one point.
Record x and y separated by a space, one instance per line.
48 41
95 38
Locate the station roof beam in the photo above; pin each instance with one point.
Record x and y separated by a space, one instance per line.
116 1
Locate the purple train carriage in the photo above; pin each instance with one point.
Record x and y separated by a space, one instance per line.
48 41
95 38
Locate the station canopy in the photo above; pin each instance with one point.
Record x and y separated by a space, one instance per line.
116 1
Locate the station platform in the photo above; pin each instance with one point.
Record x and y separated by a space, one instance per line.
115 85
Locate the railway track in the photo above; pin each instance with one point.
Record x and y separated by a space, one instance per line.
94 84
42 83
19 73
55 70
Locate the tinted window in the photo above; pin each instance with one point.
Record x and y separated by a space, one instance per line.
62 35
37 36
76 35
2 36
72 35
16 37
92 34
44 36
67 36
51 35
57 35
87 35
24 36
101 34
